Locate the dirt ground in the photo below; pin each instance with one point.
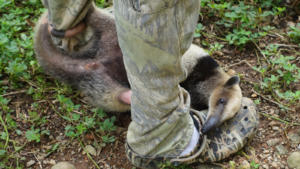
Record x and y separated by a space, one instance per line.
113 156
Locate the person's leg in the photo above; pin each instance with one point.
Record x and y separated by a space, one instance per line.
153 36
64 16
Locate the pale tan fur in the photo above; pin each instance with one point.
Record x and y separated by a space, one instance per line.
190 57
233 96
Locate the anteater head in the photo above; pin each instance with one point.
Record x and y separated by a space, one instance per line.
224 103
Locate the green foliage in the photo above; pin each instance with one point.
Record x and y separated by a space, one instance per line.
83 124
102 3
279 76
36 119
198 30
254 165
215 47
240 22
108 124
294 33
80 123
108 139
11 124
33 135
53 148
232 164
17 69
4 104
16 37
67 104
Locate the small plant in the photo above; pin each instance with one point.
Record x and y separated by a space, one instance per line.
33 135
53 148
36 119
81 124
108 139
108 124
11 124
198 30
254 165
4 104
102 3
232 164
70 131
215 47
279 77
294 34
17 69
67 104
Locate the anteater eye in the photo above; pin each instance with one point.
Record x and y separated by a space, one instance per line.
222 101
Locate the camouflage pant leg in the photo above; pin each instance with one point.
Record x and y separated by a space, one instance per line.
66 14
153 36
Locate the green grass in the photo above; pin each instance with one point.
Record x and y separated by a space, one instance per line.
20 73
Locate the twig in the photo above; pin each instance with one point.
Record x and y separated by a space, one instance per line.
29 82
267 99
282 37
83 101
4 82
16 149
211 35
285 45
88 154
261 51
239 63
42 101
6 131
275 34
75 111
53 108
272 101
257 57
14 93
278 119
218 164
105 164
40 164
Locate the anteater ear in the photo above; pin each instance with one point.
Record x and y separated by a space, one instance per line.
232 81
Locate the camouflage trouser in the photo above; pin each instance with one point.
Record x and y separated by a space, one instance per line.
153 36
65 15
